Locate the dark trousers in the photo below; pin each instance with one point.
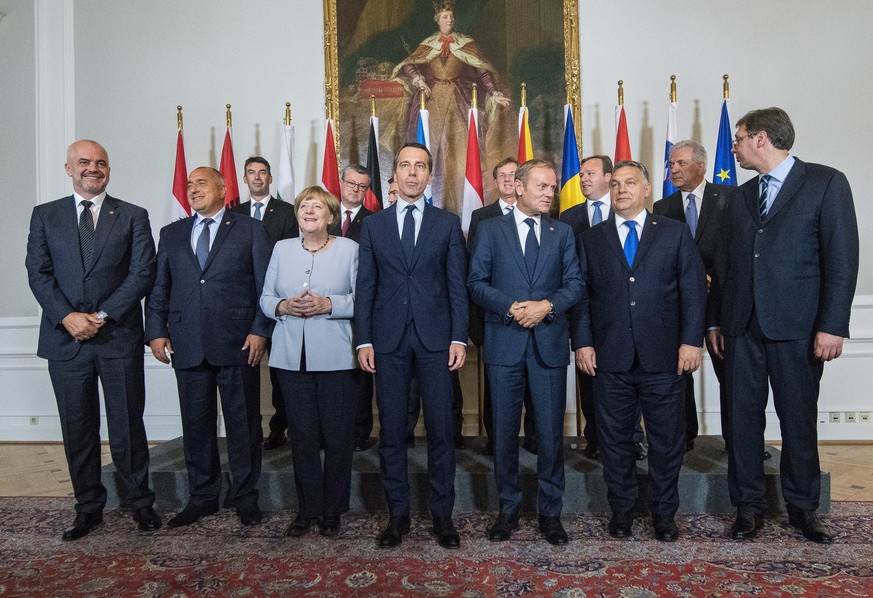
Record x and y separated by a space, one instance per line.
323 406
75 385
548 388
660 397
589 411
723 400
239 388
528 424
393 379
279 420
364 410
457 406
751 361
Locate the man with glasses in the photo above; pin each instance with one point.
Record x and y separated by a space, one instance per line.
354 182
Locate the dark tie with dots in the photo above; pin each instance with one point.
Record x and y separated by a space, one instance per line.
86 232
531 246
764 195
408 240
203 243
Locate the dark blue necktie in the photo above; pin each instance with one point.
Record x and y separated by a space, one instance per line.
407 241
531 246
202 251
691 214
763 195
631 242
597 217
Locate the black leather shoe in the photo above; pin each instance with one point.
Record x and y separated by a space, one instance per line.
300 526
249 514
621 524
501 529
147 520
553 531
329 526
665 528
591 450
640 451
394 532
192 513
83 524
447 535
746 525
274 441
810 524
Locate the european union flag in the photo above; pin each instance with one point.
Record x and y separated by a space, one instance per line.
725 170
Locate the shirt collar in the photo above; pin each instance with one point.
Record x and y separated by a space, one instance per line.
97 200
402 203
781 171
640 219
698 191
264 202
520 217
504 205
215 217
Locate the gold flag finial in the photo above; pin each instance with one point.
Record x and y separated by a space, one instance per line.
179 116
620 93
229 117
372 105
672 88
423 107
287 113
524 95
474 96
726 88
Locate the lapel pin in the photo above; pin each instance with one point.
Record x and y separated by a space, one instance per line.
551 228
111 212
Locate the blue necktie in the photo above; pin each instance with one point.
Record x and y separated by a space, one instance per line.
597 217
763 195
531 247
258 215
407 241
631 242
86 232
202 251
691 214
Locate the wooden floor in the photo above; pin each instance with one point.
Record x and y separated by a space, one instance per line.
41 470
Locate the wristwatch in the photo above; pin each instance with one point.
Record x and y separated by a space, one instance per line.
102 315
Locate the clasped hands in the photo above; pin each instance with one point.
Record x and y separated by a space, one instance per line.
82 326
304 305
529 313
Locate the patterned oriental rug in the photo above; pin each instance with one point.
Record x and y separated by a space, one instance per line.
218 557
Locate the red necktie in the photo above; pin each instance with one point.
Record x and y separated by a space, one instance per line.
347 222
445 40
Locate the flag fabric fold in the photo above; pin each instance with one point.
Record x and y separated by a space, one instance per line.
672 137
622 142
725 169
285 173
227 167
329 165
373 199
525 146
473 193
422 136
179 206
571 191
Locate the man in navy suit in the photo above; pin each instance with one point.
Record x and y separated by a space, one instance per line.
203 316
411 315
779 308
281 223
89 281
525 274
637 330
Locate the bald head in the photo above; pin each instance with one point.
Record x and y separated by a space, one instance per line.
88 165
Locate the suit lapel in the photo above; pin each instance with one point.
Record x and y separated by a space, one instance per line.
108 217
69 228
792 184
707 206
548 244
647 238
610 234
427 224
750 195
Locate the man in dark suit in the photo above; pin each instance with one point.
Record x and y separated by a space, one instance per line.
701 205
525 274
203 315
411 315
504 180
779 308
638 328
89 282
281 223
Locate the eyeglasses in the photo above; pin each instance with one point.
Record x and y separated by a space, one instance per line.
506 175
356 186
738 139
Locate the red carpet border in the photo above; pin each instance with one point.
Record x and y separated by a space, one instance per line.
219 557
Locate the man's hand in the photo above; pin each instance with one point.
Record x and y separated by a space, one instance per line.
828 346
161 349
689 359
256 346
532 312
80 326
457 356
715 342
586 360
367 359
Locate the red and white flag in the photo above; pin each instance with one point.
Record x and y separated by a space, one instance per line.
473 196
179 206
329 165
227 167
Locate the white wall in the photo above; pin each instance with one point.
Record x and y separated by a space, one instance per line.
115 71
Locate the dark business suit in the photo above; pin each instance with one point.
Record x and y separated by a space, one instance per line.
207 315
516 356
707 236
410 313
354 231
477 333
120 273
776 284
281 223
636 318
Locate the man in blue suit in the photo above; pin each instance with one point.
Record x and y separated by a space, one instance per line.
411 316
203 315
89 282
637 330
525 274
779 308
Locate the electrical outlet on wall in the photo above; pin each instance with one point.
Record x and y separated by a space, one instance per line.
834 417
851 417
864 417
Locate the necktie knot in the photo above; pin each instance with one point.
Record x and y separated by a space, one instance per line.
86 204
597 217
258 206
207 221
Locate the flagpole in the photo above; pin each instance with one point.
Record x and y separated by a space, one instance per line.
372 105
229 117
726 88
620 93
287 114
474 96
179 116
423 106
672 88
524 95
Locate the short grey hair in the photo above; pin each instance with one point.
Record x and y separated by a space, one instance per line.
698 152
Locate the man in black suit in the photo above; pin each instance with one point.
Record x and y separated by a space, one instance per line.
281 223
89 280
779 308
701 205
203 315
639 327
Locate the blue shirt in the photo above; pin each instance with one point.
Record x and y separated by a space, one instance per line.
197 229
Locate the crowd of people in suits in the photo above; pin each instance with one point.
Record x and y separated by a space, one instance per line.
344 301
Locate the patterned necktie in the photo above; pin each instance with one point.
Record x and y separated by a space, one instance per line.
86 232
631 242
407 241
202 251
764 193
691 214
258 215
597 217
531 246
347 222
509 209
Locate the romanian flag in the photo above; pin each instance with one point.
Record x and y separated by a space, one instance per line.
525 147
571 191
473 194
373 199
179 207
329 165
227 167
725 170
622 143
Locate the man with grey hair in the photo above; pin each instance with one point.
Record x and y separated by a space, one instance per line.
701 205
